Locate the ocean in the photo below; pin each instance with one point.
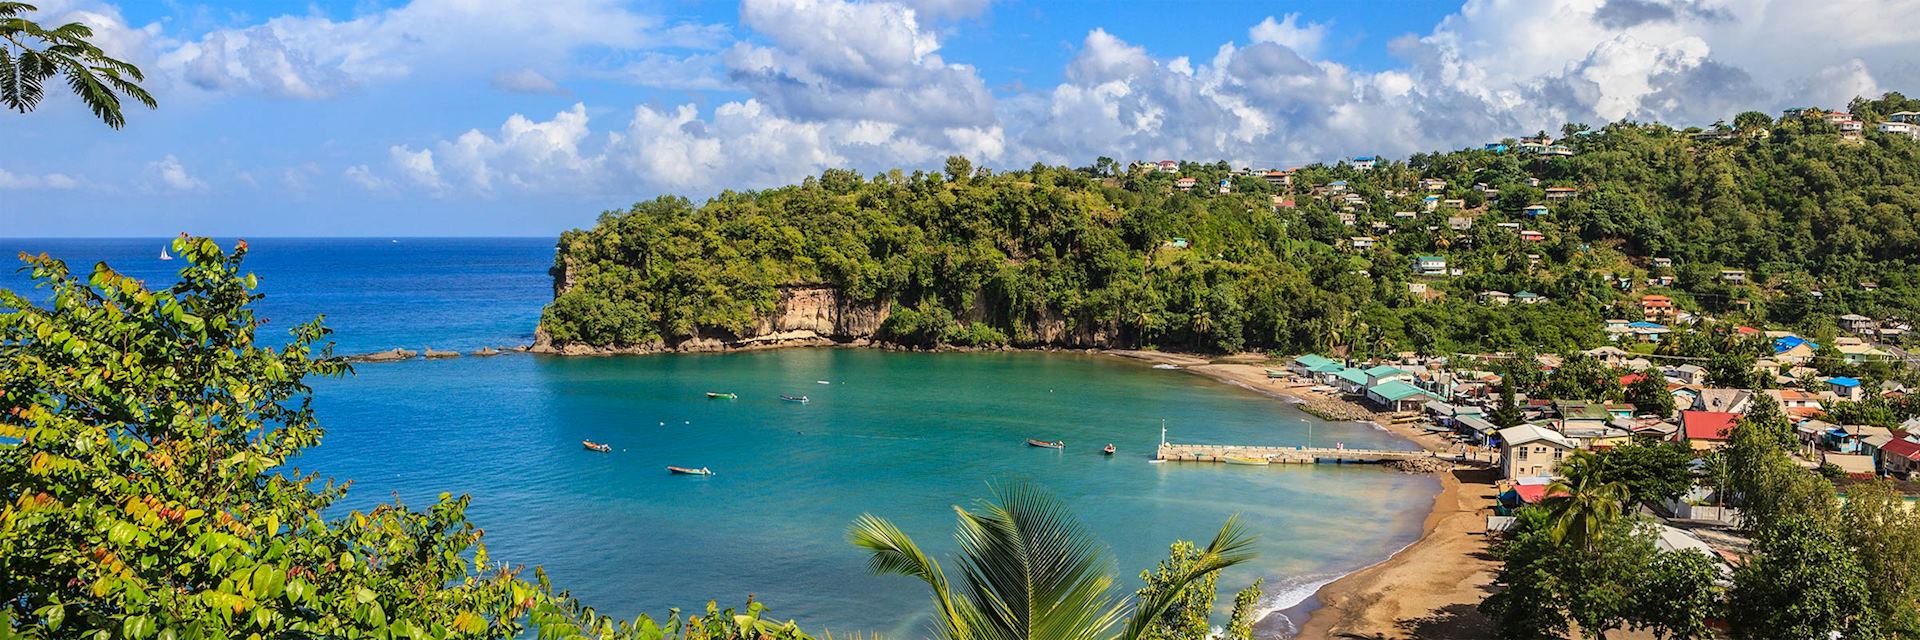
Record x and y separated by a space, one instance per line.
901 435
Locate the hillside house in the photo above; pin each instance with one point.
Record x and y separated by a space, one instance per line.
1529 235
1706 430
1433 184
1405 215
1844 388
1459 223
1851 128
1733 275
1689 374
1561 193
1337 186
1724 400
1279 178
1454 203
1347 218
1856 323
1856 351
1656 307
1186 184
1530 451
1495 297
1662 263
1528 297
1226 186
1535 211
1430 266
1789 399
1899 128
1644 331
1361 242
1364 163
1909 117
1168 166
1282 202
1792 349
1177 243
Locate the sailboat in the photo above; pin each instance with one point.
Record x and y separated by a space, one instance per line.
164 255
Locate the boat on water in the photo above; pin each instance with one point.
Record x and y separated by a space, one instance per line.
1259 462
715 395
1166 366
1057 444
164 255
1109 450
822 382
684 471
799 399
596 446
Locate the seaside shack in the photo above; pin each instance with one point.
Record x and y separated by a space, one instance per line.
1475 427
1399 396
1307 365
1348 380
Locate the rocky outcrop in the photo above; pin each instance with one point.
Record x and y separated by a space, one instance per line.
486 351
432 354
391 355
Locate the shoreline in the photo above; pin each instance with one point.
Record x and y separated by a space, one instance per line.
1431 586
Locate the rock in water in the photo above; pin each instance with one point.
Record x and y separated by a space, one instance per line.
487 351
431 354
391 355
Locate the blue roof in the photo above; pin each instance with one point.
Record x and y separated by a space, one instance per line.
1337 183
1787 343
1843 381
1363 158
1431 198
1646 325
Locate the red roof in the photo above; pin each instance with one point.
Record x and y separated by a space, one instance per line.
1632 378
1745 330
1904 448
1805 412
1532 493
1707 425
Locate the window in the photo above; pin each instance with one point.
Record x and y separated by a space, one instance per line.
1523 453
1557 453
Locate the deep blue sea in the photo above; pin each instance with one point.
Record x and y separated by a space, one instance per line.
905 436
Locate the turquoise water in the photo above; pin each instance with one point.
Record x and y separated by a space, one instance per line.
901 435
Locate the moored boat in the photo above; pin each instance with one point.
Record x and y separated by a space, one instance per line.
1057 444
684 471
1245 460
799 399
716 395
596 446
1109 450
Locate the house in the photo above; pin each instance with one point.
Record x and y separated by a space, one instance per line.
1177 243
1535 210
1900 457
1561 193
1705 430
1724 400
1792 349
1857 323
1789 399
1382 373
1663 263
1282 202
1531 451
1279 178
1430 265
1527 297
1692 374
1364 162
1855 466
1854 350
1405 215
1581 415
1733 275
1851 128
1349 380
1399 395
1899 128
1647 331
1433 184
1186 184
1510 226
1909 117
1226 186
1495 147
1495 297
1844 388
1361 242
1306 365
1169 166
1656 307
1530 235
1459 223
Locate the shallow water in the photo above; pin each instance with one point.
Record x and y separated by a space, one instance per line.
900 435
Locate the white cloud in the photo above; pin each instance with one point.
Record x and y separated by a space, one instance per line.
417 166
526 81
10 180
364 176
1289 33
523 154
169 174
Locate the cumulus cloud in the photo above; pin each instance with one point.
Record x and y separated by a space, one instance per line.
10 180
365 178
523 154
1289 33
169 174
526 81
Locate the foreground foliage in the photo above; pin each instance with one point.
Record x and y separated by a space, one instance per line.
144 488
31 54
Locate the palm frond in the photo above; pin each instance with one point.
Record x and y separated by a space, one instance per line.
894 552
1034 569
1232 545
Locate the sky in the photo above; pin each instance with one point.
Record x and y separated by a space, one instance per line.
526 118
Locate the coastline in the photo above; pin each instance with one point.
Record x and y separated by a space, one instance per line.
1427 589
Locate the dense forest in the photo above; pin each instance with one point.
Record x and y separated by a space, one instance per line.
1824 223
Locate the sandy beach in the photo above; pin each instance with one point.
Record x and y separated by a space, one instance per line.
1429 589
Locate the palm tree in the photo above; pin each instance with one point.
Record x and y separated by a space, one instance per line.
30 54
1028 571
1581 505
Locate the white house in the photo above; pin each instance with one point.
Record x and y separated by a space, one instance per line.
1531 451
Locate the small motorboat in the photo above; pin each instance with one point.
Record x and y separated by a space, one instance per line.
1167 367
799 399
164 255
1259 462
715 395
1109 450
821 382
1057 444
683 471
596 446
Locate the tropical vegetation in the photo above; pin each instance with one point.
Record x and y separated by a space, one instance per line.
31 55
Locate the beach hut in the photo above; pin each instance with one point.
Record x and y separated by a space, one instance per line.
1398 395
1306 364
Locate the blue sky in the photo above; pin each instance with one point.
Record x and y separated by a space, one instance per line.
453 117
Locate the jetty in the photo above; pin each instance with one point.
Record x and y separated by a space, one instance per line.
1303 455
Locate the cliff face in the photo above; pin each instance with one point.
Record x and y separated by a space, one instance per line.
805 315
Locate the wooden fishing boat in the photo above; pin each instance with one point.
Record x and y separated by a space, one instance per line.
715 395
799 399
596 446
683 471
1057 444
1109 450
1260 462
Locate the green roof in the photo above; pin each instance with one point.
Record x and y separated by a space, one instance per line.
1583 411
1312 360
1430 259
1382 371
1352 375
1397 390
1330 366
